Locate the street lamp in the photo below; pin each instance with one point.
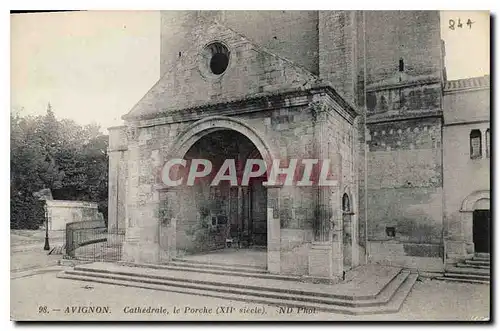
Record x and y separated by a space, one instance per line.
46 246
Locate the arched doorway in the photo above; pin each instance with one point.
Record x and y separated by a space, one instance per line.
224 216
347 230
476 219
481 219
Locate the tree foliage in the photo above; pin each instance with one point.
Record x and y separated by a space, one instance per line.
69 159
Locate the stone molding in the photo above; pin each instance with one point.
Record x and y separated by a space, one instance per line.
471 199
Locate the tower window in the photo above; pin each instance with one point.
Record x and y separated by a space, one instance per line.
401 65
390 231
487 142
475 144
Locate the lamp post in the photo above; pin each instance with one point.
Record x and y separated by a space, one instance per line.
46 246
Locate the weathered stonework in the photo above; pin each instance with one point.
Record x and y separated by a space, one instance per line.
363 89
291 224
466 180
62 212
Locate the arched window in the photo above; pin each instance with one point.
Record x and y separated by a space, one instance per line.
475 144
487 143
346 205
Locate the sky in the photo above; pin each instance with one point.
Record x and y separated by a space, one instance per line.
95 66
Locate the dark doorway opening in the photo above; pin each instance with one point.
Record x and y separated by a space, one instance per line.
257 220
481 230
223 215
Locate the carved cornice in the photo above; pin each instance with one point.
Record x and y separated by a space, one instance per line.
402 80
381 118
467 85
256 103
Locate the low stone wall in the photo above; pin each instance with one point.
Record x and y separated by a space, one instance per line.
62 212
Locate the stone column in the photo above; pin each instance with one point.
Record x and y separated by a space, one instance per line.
325 255
273 230
141 239
323 203
467 231
113 189
169 210
131 246
336 231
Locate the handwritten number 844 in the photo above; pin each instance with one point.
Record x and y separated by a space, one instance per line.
458 24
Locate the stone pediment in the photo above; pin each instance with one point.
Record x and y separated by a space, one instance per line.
190 82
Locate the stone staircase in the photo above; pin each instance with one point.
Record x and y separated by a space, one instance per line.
374 289
474 270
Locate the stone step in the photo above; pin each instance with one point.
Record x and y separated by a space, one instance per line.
217 264
383 298
368 284
467 276
463 280
468 271
390 299
481 257
486 255
473 265
478 262
215 270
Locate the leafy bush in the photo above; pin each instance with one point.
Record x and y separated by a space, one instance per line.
46 153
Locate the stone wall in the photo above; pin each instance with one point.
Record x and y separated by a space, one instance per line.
390 159
465 179
251 71
405 193
338 50
62 212
289 132
467 105
413 36
274 30
404 187
278 127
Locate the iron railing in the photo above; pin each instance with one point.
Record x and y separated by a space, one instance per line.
92 241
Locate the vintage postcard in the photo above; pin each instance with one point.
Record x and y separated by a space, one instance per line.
250 166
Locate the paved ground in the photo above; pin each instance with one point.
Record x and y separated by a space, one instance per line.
26 249
26 240
21 237
37 297
36 294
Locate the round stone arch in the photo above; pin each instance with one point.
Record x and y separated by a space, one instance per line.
466 211
211 124
468 205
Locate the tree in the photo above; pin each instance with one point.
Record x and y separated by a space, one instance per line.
69 159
